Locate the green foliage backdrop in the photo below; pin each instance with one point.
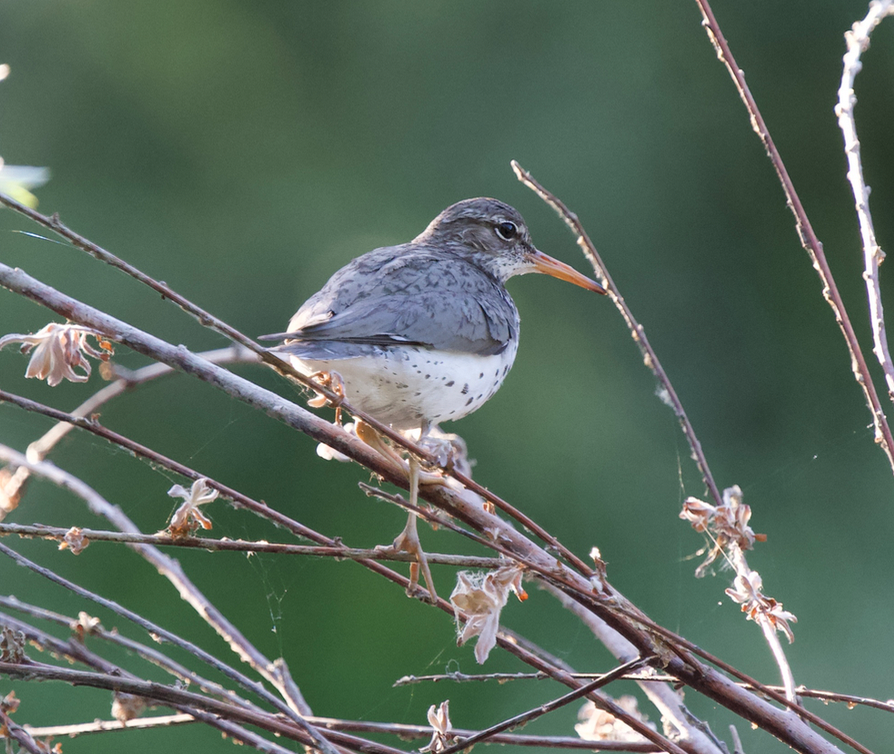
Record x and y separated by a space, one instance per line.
242 152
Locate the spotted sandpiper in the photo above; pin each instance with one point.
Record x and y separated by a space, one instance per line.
426 331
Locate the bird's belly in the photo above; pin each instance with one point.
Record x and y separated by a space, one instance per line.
411 386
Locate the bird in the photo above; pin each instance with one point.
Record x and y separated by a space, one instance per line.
424 332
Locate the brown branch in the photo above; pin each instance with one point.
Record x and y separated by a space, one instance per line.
160 634
533 714
171 696
421 731
18 734
57 533
805 231
649 676
75 651
505 639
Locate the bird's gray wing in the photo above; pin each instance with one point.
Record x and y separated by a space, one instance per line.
430 302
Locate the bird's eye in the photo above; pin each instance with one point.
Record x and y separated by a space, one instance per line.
507 230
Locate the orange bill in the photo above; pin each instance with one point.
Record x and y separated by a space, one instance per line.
548 266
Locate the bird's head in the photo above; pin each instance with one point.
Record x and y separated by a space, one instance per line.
492 235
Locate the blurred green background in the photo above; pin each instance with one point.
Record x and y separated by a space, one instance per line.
243 152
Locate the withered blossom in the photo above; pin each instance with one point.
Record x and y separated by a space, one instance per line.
75 541
747 591
187 518
439 719
127 706
12 645
482 597
726 524
85 624
59 350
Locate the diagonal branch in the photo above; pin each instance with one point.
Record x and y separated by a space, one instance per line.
805 231
618 612
543 709
650 358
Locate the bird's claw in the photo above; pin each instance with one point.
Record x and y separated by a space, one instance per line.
408 541
332 381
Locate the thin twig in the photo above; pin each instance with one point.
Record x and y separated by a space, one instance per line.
650 358
805 232
74 647
58 533
21 736
159 633
105 726
543 709
39 449
169 695
857 39
74 650
649 676
171 569
397 729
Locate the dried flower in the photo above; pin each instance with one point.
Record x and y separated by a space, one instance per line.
12 645
10 492
482 597
439 719
59 350
74 540
727 524
187 518
747 592
598 725
85 624
10 703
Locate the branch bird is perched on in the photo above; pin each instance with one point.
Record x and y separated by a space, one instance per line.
426 331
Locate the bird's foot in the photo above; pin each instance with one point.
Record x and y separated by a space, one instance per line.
333 381
408 541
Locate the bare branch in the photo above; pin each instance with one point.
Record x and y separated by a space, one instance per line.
57 533
808 238
543 709
650 358
32 671
857 43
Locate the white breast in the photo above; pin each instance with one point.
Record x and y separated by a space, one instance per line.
408 387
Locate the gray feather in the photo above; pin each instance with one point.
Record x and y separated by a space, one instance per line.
390 298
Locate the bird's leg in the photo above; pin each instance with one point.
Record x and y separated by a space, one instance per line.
408 540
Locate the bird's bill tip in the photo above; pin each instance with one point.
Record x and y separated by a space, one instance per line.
547 265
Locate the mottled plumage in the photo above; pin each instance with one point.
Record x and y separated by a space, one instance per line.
425 331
